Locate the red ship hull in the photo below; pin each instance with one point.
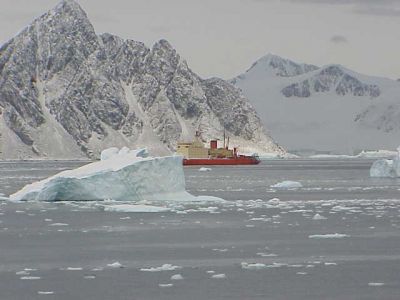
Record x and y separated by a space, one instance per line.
240 160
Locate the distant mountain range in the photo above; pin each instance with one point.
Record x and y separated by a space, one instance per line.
329 108
66 92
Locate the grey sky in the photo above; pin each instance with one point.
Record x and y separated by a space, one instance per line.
224 37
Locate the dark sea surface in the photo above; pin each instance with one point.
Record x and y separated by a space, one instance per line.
337 237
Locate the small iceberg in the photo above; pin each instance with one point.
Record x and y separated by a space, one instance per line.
319 217
121 175
386 167
287 184
204 169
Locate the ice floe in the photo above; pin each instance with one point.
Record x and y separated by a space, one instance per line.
318 217
126 175
177 277
45 292
204 169
30 278
115 265
253 266
328 236
59 224
164 267
287 184
376 283
218 276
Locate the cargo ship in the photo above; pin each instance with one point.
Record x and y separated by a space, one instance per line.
195 153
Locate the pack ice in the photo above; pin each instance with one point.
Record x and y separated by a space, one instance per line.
121 175
386 167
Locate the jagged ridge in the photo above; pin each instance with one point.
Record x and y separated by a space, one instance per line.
61 84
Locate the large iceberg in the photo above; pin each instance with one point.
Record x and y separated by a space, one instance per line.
122 175
386 167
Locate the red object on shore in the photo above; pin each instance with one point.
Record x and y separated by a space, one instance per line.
237 160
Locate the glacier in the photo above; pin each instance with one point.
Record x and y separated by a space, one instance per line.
123 175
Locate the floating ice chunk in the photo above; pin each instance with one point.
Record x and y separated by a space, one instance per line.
383 168
220 250
204 169
386 167
122 177
218 276
274 201
177 277
22 273
287 184
319 217
376 283
30 278
89 277
59 224
328 236
74 269
116 264
45 292
97 269
131 208
164 267
254 266
165 285
266 254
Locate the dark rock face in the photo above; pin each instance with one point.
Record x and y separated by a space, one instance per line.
384 117
288 68
332 78
105 90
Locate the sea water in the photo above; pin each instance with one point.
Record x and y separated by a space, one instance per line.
335 237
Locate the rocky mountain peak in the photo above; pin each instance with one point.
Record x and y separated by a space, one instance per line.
68 13
67 92
332 79
272 65
162 57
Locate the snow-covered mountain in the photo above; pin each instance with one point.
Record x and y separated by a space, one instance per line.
329 108
66 92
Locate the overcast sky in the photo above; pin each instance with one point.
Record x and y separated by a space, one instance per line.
224 37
